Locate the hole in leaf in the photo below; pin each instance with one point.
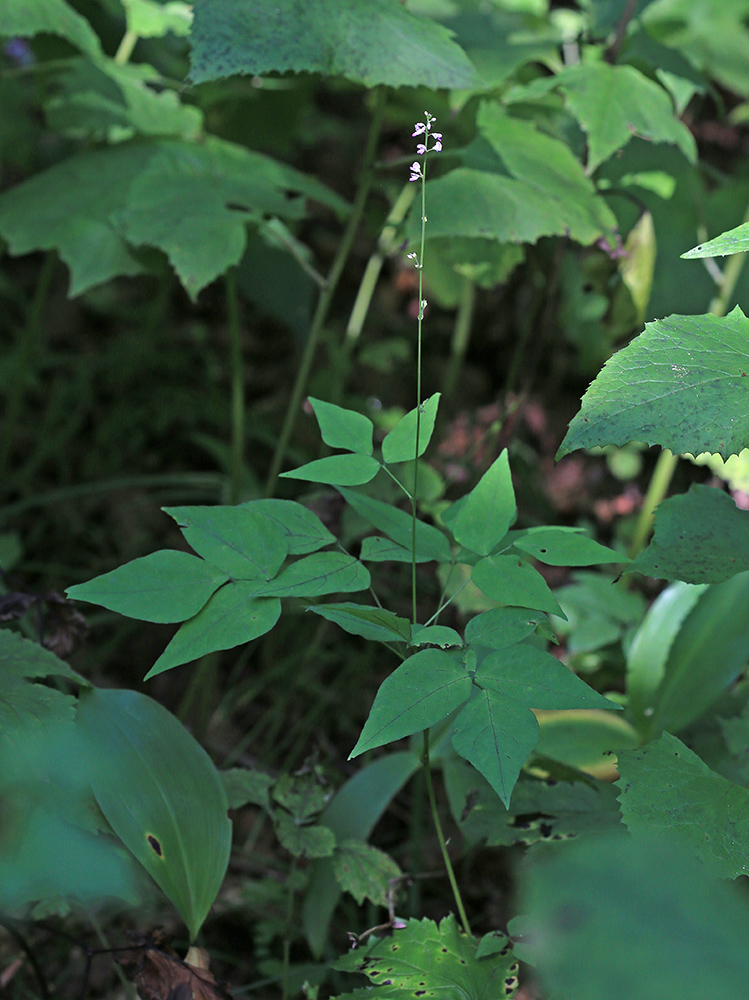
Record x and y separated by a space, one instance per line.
155 844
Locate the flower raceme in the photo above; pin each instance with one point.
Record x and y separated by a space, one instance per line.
422 148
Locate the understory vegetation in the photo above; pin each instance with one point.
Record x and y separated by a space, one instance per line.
374 532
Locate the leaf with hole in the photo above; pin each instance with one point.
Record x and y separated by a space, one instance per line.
560 546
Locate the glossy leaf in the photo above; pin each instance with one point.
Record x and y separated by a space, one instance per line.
439 960
422 691
318 574
26 18
682 384
341 428
699 537
365 871
337 470
233 616
303 529
240 541
161 794
666 790
501 627
368 41
369 622
397 524
733 241
674 923
488 511
558 546
510 580
399 445
165 586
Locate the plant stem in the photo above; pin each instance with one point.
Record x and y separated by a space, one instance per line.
440 835
326 297
125 49
237 389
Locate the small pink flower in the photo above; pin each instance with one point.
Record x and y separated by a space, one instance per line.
420 149
419 127
437 136
415 171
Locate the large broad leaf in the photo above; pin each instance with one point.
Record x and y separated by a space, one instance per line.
239 541
192 201
682 384
162 796
370 41
24 658
426 959
26 18
511 580
341 428
425 689
318 574
560 546
166 586
303 529
337 470
613 104
666 789
699 537
679 932
398 525
399 445
734 241
488 511
234 615
502 627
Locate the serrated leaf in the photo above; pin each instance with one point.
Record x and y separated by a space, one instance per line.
424 959
161 794
369 622
165 586
23 658
337 470
314 841
732 241
699 537
303 529
488 511
245 787
364 871
510 580
302 795
233 616
374 548
424 689
399 445
149 19
318 574
559 546
341 428
667 790
682 384
502 627
396 524
371 42
26 18
239 541
435 635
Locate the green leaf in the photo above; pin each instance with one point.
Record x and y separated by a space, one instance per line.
676 926
699 537
314 841
26 18
233 616
560 546
374 548
613 104
510 580
682 384
318 574
303 795
161 794
245 787
399 445
430 960
667 790
371 42
23 658
424 689
337 470
396 524
149 19
733 241
364 871
369 622
434 635
166 586
345 429
303 529
488 511
240 541
497 737
501 627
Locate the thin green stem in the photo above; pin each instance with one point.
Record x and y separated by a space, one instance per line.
440 835
326 297
126 46
237 390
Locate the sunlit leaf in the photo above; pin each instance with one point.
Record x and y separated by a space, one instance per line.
733 241
26 18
